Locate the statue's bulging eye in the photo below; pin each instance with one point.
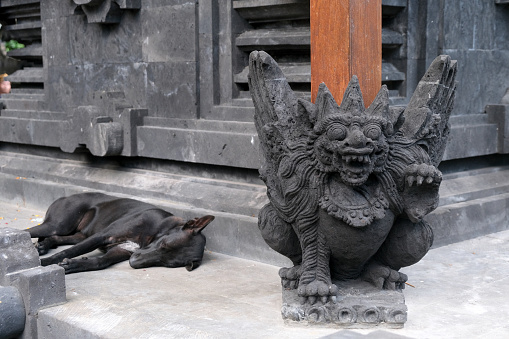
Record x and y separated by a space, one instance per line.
336 132
372 132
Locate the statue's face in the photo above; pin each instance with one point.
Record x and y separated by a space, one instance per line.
353 146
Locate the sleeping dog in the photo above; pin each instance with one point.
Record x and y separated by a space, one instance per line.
124 229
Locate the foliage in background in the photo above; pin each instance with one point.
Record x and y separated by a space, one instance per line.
13 44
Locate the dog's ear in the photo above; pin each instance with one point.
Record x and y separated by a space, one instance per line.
192 265
198 224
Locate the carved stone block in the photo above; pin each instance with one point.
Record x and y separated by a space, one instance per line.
89 127
106 11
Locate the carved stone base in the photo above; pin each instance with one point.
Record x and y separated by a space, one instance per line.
358 305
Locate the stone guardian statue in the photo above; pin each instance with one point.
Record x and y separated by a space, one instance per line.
348 188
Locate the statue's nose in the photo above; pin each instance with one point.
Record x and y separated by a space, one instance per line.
356 139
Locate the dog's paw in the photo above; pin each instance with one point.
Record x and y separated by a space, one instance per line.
41 248
73 265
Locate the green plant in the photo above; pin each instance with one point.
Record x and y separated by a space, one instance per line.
13 44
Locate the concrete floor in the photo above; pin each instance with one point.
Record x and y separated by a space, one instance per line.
461 291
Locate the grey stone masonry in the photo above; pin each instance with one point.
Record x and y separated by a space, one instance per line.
40 287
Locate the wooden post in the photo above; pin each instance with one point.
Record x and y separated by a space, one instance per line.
346 40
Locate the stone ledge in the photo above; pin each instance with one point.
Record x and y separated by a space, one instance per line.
236 204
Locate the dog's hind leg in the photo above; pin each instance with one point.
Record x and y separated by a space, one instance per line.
113 256
46 229
43 246
87 245
62 223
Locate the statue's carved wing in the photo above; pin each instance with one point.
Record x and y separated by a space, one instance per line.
282 122
427 114
419 144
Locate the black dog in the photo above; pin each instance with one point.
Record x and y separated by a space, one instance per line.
121 228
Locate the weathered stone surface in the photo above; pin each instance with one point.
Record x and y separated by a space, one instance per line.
17 253
473 95
171 89
176 20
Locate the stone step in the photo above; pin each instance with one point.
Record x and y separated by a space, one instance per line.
296 39
272 10
30 51
301 73
16 95
256 11
20 104
32 115
26 91
27 75
468 198
201 124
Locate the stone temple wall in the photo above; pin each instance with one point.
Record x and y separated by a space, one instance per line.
148 98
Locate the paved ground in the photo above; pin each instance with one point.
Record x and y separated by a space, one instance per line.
461 291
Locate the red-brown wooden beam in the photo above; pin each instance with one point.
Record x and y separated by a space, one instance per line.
346 40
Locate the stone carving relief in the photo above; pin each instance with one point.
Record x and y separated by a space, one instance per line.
349 187
106 11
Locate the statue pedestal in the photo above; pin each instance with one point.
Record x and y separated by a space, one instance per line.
358 305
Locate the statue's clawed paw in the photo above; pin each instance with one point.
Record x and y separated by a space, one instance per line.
318 291
422 174
290 277
384 277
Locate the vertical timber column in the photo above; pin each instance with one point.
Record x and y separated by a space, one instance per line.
346 40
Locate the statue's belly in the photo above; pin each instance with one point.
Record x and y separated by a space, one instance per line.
351 247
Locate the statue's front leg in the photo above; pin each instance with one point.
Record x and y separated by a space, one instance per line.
315 281
406 244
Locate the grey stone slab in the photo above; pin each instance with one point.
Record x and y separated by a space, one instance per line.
55 30
471 140
475 87
27 75
459 188
56 9
199 146
203 124
28 131
65 88
469 219
274 39
469 29
34 115
255 11
72 86
175 20
499 114
171 89
96 43
23 104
